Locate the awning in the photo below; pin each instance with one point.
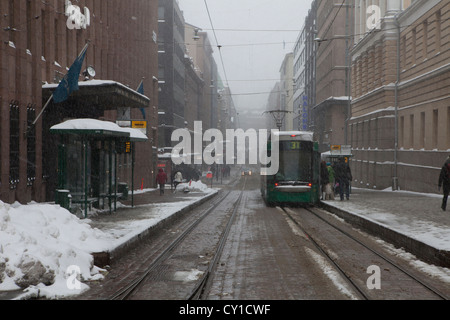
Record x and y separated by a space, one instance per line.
97 128
106 94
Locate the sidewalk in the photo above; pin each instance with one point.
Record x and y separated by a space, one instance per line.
413 221
129 225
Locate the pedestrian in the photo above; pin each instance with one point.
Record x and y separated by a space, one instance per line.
444 181
324 179
343 176
177 179
329 189
161 179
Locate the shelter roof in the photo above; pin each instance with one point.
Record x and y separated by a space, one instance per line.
98 128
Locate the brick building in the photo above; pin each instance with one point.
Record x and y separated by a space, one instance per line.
171 70
331 110
400 126
38 46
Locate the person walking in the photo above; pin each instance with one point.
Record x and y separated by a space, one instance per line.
178 178
444 181
161 179
330 187
343 176
324 179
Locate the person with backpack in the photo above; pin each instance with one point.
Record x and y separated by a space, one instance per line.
444 181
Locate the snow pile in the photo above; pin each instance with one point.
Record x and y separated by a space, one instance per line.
38 244
193 186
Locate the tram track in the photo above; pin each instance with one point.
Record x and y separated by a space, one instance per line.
200 292
362 290
128 290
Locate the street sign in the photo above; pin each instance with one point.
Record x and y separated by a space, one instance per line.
139 124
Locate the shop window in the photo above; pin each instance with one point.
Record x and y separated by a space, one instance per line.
14 141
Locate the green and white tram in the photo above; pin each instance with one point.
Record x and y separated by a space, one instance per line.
297 181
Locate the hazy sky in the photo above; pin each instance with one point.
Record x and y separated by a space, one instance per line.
255 35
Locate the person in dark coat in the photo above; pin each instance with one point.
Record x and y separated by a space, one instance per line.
343 176
324 178
444 181
161 179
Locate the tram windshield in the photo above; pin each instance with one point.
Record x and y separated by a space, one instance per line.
295 162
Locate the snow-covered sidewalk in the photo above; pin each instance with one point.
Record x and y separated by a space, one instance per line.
416 215
47 250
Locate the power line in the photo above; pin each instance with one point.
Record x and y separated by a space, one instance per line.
335 16
218 45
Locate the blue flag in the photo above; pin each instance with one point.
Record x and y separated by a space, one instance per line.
140 90
70 81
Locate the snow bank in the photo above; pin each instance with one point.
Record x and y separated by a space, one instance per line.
193 186
39 242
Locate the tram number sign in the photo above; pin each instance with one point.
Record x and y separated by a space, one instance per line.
291 145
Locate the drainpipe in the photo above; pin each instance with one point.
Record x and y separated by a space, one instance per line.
395 177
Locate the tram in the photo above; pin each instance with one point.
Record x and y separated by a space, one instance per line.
297 181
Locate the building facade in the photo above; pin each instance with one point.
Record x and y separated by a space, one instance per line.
40 42
171 70
199 49
300 97
400 111
305 72
287 91
332 78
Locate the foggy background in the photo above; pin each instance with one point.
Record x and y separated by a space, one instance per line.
255 35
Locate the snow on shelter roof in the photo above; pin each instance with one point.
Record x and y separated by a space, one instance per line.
97 127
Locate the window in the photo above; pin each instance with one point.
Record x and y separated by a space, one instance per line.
411 131
413 46
14 144
425 40
402 132
435 128
29 24
448 126
11 22
422 129
31 145
438 31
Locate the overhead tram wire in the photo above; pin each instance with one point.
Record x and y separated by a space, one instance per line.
218 45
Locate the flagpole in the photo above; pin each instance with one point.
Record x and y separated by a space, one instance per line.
43 109
51 97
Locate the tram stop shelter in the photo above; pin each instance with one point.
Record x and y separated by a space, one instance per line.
337 152
87 162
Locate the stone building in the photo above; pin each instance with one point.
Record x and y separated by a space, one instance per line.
400 125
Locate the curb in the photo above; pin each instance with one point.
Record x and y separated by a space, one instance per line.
102 259
421 250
